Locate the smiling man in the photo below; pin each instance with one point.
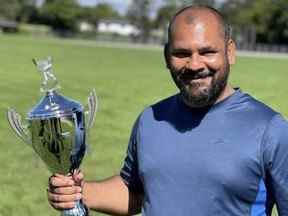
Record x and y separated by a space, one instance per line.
208 150
199 53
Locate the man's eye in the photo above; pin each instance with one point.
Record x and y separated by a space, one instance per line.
208 53
181 54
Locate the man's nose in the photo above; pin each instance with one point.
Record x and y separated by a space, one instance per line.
195 63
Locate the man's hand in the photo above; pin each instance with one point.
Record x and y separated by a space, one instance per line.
64 191
110 196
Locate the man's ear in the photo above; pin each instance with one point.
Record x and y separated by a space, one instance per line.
231 52
167 55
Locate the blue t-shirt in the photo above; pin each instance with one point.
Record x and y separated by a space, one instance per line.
228 159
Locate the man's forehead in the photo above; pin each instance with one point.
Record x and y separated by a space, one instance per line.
203 18
190 19
193 16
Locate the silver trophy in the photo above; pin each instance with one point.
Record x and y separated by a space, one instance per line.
56 128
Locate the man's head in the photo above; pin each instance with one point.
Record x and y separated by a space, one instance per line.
199 53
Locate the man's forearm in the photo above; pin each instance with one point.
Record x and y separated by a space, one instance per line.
111 196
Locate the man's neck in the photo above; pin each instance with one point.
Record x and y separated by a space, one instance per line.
228 91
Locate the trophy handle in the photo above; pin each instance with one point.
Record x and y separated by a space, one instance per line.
92 109
79 210
14 120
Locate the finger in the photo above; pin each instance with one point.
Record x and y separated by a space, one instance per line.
62 206
78 176
65 190
60 181
60 198
76 171
58 175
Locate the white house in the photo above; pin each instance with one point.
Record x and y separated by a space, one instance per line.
119 27
85 26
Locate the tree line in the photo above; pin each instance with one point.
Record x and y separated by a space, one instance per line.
261 21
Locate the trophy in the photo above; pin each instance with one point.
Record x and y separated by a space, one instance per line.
56 128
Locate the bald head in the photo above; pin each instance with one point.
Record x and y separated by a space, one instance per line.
192 14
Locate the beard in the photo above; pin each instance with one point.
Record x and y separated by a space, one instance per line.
194 93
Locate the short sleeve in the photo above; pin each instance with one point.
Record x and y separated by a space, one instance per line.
275 158
129 171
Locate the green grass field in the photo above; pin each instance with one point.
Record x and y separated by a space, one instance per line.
126 81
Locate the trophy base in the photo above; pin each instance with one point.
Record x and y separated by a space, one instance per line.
78 210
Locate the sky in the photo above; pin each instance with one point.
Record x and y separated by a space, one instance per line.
122 5
119 5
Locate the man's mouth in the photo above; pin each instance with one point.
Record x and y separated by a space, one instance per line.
187 77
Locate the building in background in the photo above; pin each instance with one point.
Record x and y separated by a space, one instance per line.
117 27
8 25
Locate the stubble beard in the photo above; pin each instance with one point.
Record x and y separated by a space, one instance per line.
195 94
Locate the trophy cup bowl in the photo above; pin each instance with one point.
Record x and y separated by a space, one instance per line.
56 128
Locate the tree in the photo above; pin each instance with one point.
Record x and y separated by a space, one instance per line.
105 11
98 12
271 20
28 11
210 3
164 14
183 3
17 9
138 14
9 9
62 15
267 18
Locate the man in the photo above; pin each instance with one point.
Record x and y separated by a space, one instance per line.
208 150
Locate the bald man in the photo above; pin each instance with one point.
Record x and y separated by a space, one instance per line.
208 150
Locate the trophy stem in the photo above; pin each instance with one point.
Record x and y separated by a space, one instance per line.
78 210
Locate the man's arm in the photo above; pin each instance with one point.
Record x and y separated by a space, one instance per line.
275 148
109 196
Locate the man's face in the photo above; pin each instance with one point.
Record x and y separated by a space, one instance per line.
199 60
